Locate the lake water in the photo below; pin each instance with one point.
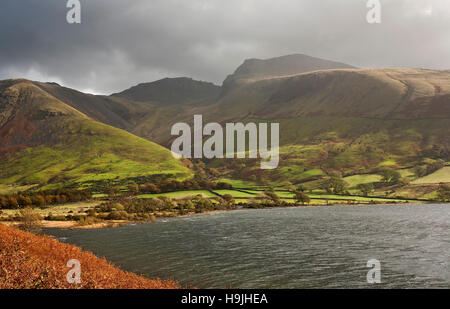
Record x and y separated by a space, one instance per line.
310 247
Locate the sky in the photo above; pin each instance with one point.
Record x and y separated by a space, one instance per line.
122 43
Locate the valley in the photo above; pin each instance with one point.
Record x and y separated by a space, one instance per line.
347 135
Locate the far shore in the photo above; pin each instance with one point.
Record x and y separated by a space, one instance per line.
71 224
118 223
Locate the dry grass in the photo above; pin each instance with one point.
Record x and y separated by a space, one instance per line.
29 261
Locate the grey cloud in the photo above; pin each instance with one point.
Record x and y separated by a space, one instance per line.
120 43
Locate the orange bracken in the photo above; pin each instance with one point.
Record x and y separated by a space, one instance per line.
28 261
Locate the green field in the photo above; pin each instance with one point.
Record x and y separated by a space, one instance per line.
10 189
355 180
234 193
442 175
356 198
99 195
289 196
179 194
281 194
236 183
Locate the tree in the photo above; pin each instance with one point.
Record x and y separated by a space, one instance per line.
133 188
39 200
420 171
24 201
151 188
334 185
272 196
390 176
436 165
443 193
366 188
12 202
202 204
223 186
229 199
3 202
302 197
112 191
30 220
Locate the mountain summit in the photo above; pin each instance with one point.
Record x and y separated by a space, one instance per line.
172 91
255 69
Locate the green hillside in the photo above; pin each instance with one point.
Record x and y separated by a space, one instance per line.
46 142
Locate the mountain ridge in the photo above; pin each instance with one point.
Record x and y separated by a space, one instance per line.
170 91
254 69
47 142
346 120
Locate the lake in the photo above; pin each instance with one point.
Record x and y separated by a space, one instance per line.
307 247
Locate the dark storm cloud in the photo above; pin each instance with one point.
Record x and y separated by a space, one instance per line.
121 43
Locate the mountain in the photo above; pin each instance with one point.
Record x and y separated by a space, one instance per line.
333 121
256 69
366 93
147 109
45 141
345 121
110 110
172 91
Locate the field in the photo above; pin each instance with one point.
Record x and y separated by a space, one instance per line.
289 196
234 193
179 194
9 189
59 210
236 183
355 180
442 175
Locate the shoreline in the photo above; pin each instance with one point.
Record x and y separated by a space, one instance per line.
73 225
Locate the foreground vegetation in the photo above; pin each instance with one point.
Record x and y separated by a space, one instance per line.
29 261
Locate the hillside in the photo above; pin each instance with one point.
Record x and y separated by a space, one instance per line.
348 121
348 102
114 111
28 261
172 91
45 141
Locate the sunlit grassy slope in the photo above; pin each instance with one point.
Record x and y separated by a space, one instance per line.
179 194
51 143
93 151
442 175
